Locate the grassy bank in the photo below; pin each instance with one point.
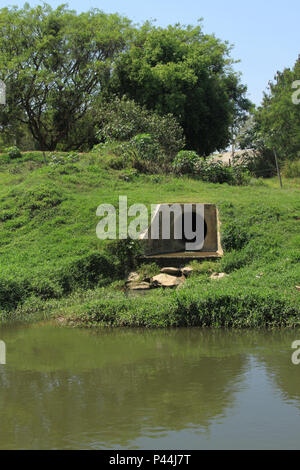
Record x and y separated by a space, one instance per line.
53 265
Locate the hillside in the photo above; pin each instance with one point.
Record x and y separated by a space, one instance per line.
54 266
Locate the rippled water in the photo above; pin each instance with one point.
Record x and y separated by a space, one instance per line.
137 389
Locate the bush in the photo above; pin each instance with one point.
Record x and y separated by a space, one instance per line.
214 172
125 254
146 146
117 163
259 162
63 159
123 119
12 292
143 153
87 272
13 152
292 169
185 162
240 175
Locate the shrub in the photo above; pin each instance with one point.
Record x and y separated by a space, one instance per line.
214 172
259 162
12 292
292 169
122 119
63 159
87 272
143 153
13 152
129 174
185 162
117 163
240 175
146 147
125 254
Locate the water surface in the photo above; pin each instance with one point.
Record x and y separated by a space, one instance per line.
138 389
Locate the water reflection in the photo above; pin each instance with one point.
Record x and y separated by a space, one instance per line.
80 389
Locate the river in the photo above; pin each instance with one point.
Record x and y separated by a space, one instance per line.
148 389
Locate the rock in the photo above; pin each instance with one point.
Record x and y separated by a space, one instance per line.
140 286
216 276
165 280
171 271
133 277
298 288
187 271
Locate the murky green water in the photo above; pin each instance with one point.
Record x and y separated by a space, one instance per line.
185 389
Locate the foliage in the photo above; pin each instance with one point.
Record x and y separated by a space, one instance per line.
146 147
123 119
13 152
214 172
260 160
56 159
55 63
188 162
142 153
49 251
278 118
182 71
292 169
185 161
125 253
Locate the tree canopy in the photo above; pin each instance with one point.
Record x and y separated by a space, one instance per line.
181 70
54 63
277 120
60 66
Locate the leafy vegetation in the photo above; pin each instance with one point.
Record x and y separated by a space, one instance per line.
276 123
126 102
181 70
187 162
62 88
121 120
52 263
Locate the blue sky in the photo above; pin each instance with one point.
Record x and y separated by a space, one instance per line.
266 33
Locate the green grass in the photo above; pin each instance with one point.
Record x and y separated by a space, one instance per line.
52 263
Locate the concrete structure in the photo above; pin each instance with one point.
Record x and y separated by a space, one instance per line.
172 252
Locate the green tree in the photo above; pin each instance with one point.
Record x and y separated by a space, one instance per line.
277 120
182 71
55 63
